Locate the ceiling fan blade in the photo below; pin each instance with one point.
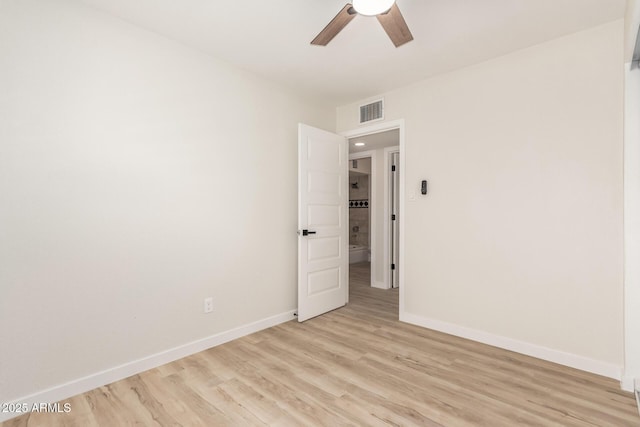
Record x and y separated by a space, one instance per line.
394 24
335 26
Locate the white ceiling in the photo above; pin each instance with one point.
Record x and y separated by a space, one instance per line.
271 38
376 141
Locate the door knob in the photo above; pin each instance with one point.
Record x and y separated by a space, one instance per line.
307 232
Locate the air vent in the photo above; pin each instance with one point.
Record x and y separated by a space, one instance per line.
372 112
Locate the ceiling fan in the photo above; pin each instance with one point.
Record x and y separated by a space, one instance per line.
386 11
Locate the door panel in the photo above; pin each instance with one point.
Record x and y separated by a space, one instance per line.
323 280
322 200
323 215
322 182
324 249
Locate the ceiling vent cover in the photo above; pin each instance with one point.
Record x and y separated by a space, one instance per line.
371 112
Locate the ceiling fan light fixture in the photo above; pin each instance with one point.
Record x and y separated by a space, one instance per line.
386 11
372 7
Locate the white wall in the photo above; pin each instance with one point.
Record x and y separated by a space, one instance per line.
377 186
364 166
632 201
137 176
632 227
381 272
519 242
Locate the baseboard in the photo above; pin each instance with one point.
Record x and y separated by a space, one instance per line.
540 352
636 392
378 285
90 382
626 383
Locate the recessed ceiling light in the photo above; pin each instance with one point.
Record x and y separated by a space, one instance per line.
359 144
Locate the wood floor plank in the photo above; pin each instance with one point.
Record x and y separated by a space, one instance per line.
146 398
264 408
354 366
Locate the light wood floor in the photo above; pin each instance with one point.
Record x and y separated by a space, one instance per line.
354 366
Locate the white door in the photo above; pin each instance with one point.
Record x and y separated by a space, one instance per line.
323 257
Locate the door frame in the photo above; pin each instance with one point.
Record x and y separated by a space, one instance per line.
383 127
373 241
387 224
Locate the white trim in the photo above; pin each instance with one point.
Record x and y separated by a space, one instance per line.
567 359
373 239
108 376
403 169
375 128
379 285
388 151
627 383
636 392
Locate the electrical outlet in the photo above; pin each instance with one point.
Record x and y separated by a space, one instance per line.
208 304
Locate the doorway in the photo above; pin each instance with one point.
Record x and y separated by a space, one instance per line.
375 220
362 216
323 264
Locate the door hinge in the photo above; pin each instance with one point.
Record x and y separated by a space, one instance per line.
393 217
393 168
393 266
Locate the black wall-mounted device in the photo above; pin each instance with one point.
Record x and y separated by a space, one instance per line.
424 186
